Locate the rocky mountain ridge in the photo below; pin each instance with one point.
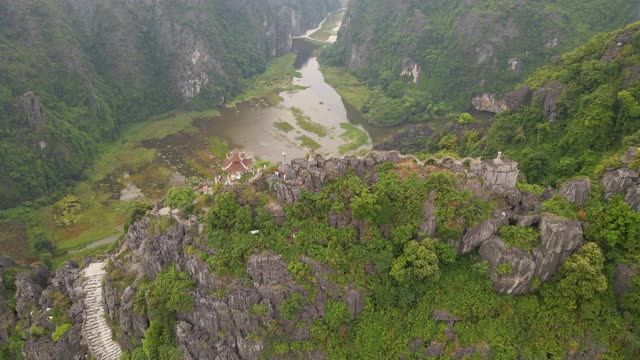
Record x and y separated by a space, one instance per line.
464 53
245 310
76 71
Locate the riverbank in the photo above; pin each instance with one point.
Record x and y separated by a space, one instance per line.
328 31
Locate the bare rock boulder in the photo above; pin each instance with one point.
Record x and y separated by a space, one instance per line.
478 234
619 181
633 198
576 191
522 265
499 174
518 97
559 239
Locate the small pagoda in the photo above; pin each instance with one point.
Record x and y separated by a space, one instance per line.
237 163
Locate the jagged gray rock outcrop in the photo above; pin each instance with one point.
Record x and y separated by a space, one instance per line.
559 239
523 267
497 175
28 291
132 325
71 344
529 220
500 174
618 181
633 198
240 310
157 250
548 97
29 104
625 179
480 233
429 226
489 103
576 191
518 97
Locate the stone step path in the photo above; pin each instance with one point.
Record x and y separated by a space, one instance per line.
95 329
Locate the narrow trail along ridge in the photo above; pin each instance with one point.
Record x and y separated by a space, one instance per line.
95 329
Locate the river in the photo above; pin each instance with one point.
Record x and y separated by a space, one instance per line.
250 125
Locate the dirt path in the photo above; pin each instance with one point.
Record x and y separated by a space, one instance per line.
95 329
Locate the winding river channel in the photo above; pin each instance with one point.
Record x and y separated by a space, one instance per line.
251 126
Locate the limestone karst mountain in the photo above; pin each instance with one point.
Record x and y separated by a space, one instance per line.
74 72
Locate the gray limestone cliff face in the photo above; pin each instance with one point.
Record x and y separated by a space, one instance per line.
576 191
519 97
132 325
154 251
193 38
500 175
65 282
429 226
625 179
523 267
29 104
559 239
633 198
224 322
489 103
510 101
548 97
477 235
619 181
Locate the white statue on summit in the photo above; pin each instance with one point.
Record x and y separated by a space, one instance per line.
498 160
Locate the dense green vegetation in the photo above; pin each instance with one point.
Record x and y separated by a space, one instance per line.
97 69
463 49
181 198
411 276
161 300
597 115
520 237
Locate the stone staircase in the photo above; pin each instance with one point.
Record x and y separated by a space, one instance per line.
95 329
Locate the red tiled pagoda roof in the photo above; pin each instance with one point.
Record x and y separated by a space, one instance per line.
237 162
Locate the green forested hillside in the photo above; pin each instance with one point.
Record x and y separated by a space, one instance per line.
455 50
572 115
420 297
88 68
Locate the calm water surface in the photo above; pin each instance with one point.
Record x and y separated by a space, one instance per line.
250 125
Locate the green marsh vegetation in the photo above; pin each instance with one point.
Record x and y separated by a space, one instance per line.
356 136
306 123
284 126
327 29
